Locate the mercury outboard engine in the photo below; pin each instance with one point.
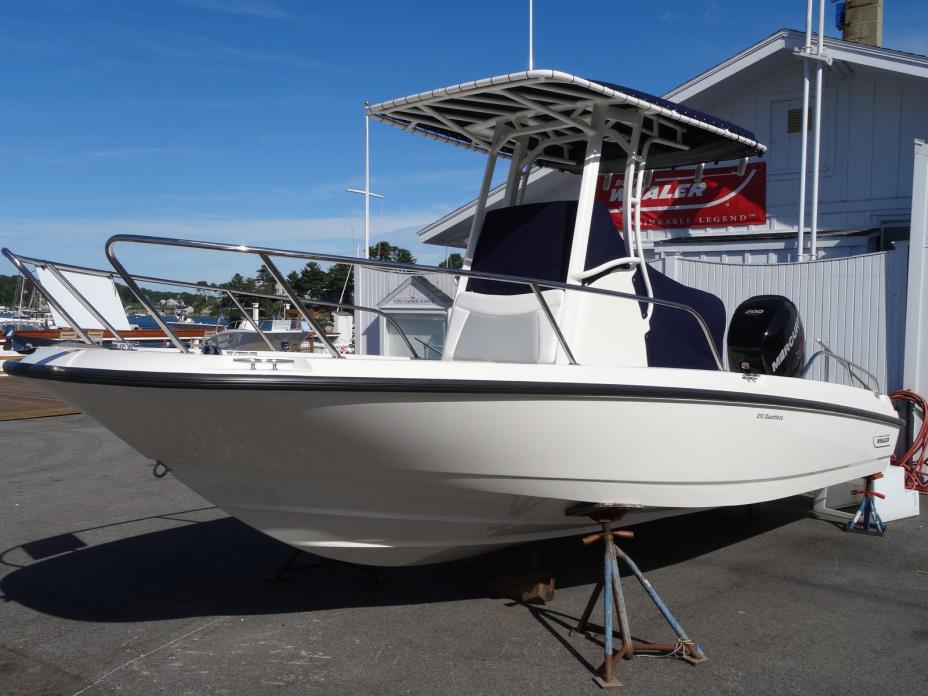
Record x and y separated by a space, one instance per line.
766 337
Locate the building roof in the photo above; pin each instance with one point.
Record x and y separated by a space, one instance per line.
783 45
548 113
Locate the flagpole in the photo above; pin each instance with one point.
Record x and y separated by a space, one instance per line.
367 185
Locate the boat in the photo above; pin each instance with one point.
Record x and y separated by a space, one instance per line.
28 339
241 335
572 373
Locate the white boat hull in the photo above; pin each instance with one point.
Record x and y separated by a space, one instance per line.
409 463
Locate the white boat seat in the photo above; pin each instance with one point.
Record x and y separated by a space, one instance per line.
502 328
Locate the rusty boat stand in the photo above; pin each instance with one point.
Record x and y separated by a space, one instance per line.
614 603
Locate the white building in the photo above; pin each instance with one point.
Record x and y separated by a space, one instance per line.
417 304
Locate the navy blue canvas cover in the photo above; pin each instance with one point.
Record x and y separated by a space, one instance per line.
534 240
531 240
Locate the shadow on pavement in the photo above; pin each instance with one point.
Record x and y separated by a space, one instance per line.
221 567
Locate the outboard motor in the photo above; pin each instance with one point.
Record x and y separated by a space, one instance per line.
766 337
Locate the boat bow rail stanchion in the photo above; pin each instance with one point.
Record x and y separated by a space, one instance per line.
20 264
266 254
57 269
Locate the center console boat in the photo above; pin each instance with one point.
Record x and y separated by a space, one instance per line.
571 372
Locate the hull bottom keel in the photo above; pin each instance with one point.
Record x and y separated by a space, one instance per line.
614 601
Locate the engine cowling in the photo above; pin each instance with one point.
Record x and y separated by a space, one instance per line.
766 336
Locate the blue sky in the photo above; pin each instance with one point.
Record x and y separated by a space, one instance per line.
241 120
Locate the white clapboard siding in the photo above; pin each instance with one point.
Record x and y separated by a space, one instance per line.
855 304
371 287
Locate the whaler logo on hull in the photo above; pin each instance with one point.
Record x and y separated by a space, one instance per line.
881 440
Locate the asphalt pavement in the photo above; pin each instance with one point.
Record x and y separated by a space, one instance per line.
115 581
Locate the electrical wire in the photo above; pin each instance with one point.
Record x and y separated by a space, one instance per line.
913 460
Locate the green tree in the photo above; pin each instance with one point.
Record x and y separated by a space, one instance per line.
264 281
453 261
239 282
387 252
339 286
8 290
311 281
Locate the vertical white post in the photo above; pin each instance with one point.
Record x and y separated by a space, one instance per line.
817 140
587 196
531 38
367 186
515 172
366 192
476 222
915 362
800 241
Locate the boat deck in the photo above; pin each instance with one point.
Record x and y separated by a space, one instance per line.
117 582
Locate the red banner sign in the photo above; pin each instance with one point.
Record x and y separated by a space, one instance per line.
675 199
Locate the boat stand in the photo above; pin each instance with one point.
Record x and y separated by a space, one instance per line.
867 519
684 648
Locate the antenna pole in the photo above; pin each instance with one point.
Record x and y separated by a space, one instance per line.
531 46
367 185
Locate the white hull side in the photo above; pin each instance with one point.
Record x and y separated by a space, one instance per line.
391 478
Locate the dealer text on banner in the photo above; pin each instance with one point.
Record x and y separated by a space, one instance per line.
675 199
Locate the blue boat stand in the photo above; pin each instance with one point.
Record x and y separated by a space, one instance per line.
684 648
867 519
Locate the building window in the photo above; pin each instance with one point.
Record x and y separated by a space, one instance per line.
426 332
794 120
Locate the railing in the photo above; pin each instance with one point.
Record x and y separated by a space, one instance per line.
57 269
132 282
849 367
265 255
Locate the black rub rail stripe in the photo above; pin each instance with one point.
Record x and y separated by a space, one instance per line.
270 381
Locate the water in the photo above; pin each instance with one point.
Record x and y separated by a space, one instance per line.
143 321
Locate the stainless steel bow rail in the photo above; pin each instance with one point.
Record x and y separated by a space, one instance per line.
873 384
265 255
57 269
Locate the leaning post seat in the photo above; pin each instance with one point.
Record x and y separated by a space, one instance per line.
503 322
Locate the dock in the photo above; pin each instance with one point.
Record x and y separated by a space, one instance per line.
21 399
114 581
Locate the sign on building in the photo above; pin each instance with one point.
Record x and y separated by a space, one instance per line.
675 199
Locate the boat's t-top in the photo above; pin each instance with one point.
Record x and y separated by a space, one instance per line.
545 118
